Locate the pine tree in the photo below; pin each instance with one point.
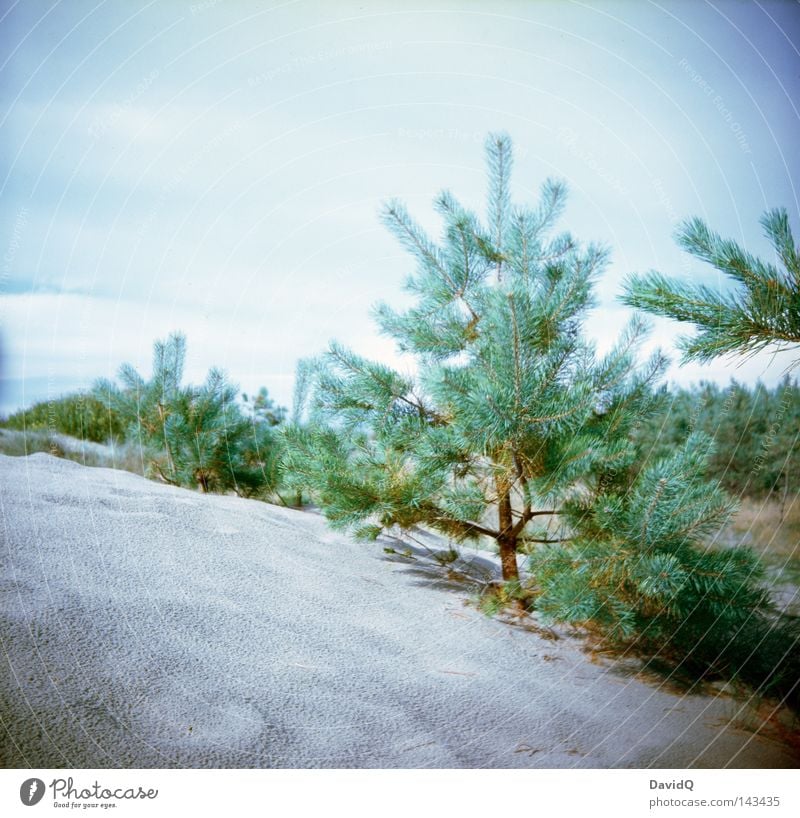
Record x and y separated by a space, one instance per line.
512 420
143 405
512 412
262 408
763 310
295 436
196 436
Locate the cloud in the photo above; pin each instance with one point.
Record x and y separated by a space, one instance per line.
219 171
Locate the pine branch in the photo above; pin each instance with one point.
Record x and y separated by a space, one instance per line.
763 311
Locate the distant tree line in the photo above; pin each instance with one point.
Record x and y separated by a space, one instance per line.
756 431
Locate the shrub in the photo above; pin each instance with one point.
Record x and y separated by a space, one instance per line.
83 416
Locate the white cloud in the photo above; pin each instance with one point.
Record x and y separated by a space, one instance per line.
221 174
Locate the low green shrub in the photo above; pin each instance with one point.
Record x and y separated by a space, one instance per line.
80 415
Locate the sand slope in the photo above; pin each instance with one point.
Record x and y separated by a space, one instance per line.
147 626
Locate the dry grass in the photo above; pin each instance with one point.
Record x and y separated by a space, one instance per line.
773 532
124 456
754 714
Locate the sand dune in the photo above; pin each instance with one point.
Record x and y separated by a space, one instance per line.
148 626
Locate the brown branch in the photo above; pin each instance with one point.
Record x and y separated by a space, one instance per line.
520 524
467 525
423 410
160 472
526 517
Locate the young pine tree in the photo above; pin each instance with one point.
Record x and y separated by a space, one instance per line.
295 437
512 412
196 436
512 419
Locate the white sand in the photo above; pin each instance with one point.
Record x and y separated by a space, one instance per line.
146 626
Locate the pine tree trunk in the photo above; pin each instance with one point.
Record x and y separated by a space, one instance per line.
508 559
506 542
162 418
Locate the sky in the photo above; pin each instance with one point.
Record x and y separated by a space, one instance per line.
217 167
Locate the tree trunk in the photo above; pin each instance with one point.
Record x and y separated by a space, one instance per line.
162 418
508 558
507 543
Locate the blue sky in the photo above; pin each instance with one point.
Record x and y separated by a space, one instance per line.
217 167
